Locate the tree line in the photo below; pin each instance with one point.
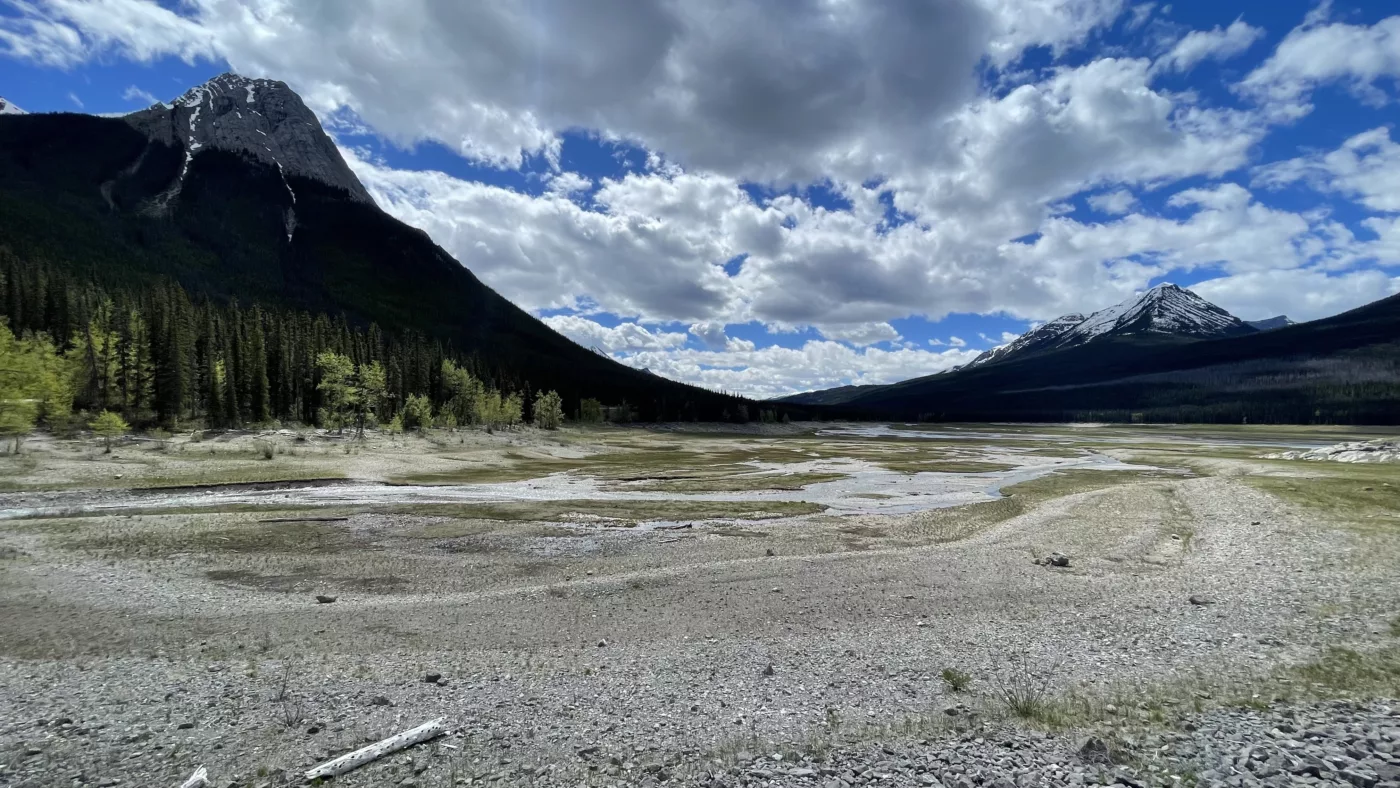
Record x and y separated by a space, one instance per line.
153 355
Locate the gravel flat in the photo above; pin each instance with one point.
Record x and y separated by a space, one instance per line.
137 648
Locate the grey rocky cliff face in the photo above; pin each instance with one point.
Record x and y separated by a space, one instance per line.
260 117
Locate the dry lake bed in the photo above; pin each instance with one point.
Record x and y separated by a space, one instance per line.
808 604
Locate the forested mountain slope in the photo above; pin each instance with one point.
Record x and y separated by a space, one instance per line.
89 199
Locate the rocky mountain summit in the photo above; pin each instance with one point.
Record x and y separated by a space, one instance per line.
1165 310
262 118
1270 323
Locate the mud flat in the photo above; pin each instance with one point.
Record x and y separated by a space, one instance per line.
630 606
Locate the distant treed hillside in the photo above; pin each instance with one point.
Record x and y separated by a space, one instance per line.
1345 369
78 195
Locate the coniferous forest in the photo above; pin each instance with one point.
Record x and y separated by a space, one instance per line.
156 356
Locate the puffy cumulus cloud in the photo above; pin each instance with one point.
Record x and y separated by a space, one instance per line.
1214 44
547 251
767 89
1315 53
1366 168
1225 227
1300 294
65 33
1114 203
1005 160
775 371
1060 25
861 333
620 339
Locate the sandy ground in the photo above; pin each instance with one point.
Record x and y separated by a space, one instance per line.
175 638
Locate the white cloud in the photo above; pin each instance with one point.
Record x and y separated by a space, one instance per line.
133 93
620 339
1366 168
1114 203
861 333
1300 294
1316 54
774 371
73 97
1214 44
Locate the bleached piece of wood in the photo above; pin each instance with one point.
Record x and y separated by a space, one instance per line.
364 755
199 779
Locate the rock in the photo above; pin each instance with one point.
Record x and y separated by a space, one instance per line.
768 671
769 552
584 752
259 118
1054 559
324 600
432 678
602 643
380 700
184 726
1197 599
313 730
1095 750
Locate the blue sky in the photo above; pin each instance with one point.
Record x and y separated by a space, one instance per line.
858 200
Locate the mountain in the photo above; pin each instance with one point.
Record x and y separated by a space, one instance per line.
834 396
260 118
1164 312
6 108
1343 369
179 194
1269 324
1046 336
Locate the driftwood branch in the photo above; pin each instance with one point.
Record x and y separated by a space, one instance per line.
362 756
199 779
306 520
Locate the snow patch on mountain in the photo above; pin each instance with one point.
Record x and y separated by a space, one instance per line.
6 108
260 117
1166 310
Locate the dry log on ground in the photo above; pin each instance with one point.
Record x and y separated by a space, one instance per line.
364 755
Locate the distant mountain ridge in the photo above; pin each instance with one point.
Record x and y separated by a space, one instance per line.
1271 323
1165 310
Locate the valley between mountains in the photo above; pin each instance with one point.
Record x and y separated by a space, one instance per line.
282 479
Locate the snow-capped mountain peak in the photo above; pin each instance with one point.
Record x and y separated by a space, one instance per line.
262 118
6 108
1165 310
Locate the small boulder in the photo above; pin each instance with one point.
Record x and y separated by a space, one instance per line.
602 643
322 599
432 678
380 700
1054 559
769 552
1095 750
1198 600
768 671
